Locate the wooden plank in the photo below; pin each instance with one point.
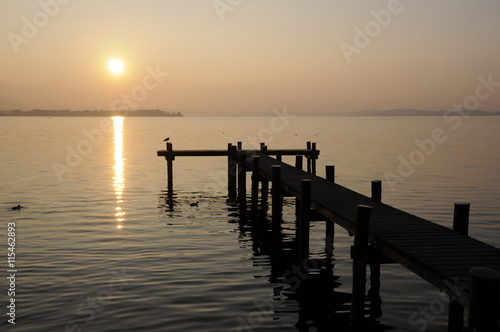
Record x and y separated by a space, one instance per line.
215 153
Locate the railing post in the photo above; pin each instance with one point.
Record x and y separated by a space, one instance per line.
330 173
359 266
484 300
298 162
308 157
313 158
255 184
377 190
277 198
461 218
303 226
460 225
239 144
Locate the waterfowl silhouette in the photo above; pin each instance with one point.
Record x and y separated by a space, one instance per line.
166 139
194 204
18 207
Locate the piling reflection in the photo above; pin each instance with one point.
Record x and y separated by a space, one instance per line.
119 178
307 287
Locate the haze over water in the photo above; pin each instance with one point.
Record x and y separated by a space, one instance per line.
103 228
102 246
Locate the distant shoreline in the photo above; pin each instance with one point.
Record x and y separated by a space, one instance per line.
93 113
161 113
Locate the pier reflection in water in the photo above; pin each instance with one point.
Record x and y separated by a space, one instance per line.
307 288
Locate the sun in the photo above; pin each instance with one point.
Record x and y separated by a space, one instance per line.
116 66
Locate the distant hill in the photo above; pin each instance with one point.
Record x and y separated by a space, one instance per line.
39 112
412 112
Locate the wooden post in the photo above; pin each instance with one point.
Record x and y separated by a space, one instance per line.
461 218
330 225
255 184
313 158
279 156
242 184
277 198
231 173
263 148
460 225
330 173
308 158
298 162
303 226
484 300
239 144
359 266
170 165
377 190
374 292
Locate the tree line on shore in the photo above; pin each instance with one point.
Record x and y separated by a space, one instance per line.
40 112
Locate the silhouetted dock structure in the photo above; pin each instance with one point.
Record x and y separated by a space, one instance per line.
466 269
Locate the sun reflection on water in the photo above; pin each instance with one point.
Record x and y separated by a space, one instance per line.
119 178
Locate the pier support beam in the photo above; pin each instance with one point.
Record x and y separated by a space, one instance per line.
460 225
277 198
359 266
303 225
484 300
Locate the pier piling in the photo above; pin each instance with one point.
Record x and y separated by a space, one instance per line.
232 163
170 166
484 300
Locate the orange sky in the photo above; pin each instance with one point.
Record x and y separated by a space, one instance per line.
244 57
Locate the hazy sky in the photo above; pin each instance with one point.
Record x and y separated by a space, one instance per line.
208 57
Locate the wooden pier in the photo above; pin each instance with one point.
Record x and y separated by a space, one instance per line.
466 269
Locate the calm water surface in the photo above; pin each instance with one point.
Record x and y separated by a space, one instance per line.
102 247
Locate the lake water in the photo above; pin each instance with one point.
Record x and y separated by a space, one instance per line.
99 249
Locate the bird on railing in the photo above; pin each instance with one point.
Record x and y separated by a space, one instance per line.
18 207
194 204
166 139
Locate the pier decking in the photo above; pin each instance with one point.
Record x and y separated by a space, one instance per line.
448 259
